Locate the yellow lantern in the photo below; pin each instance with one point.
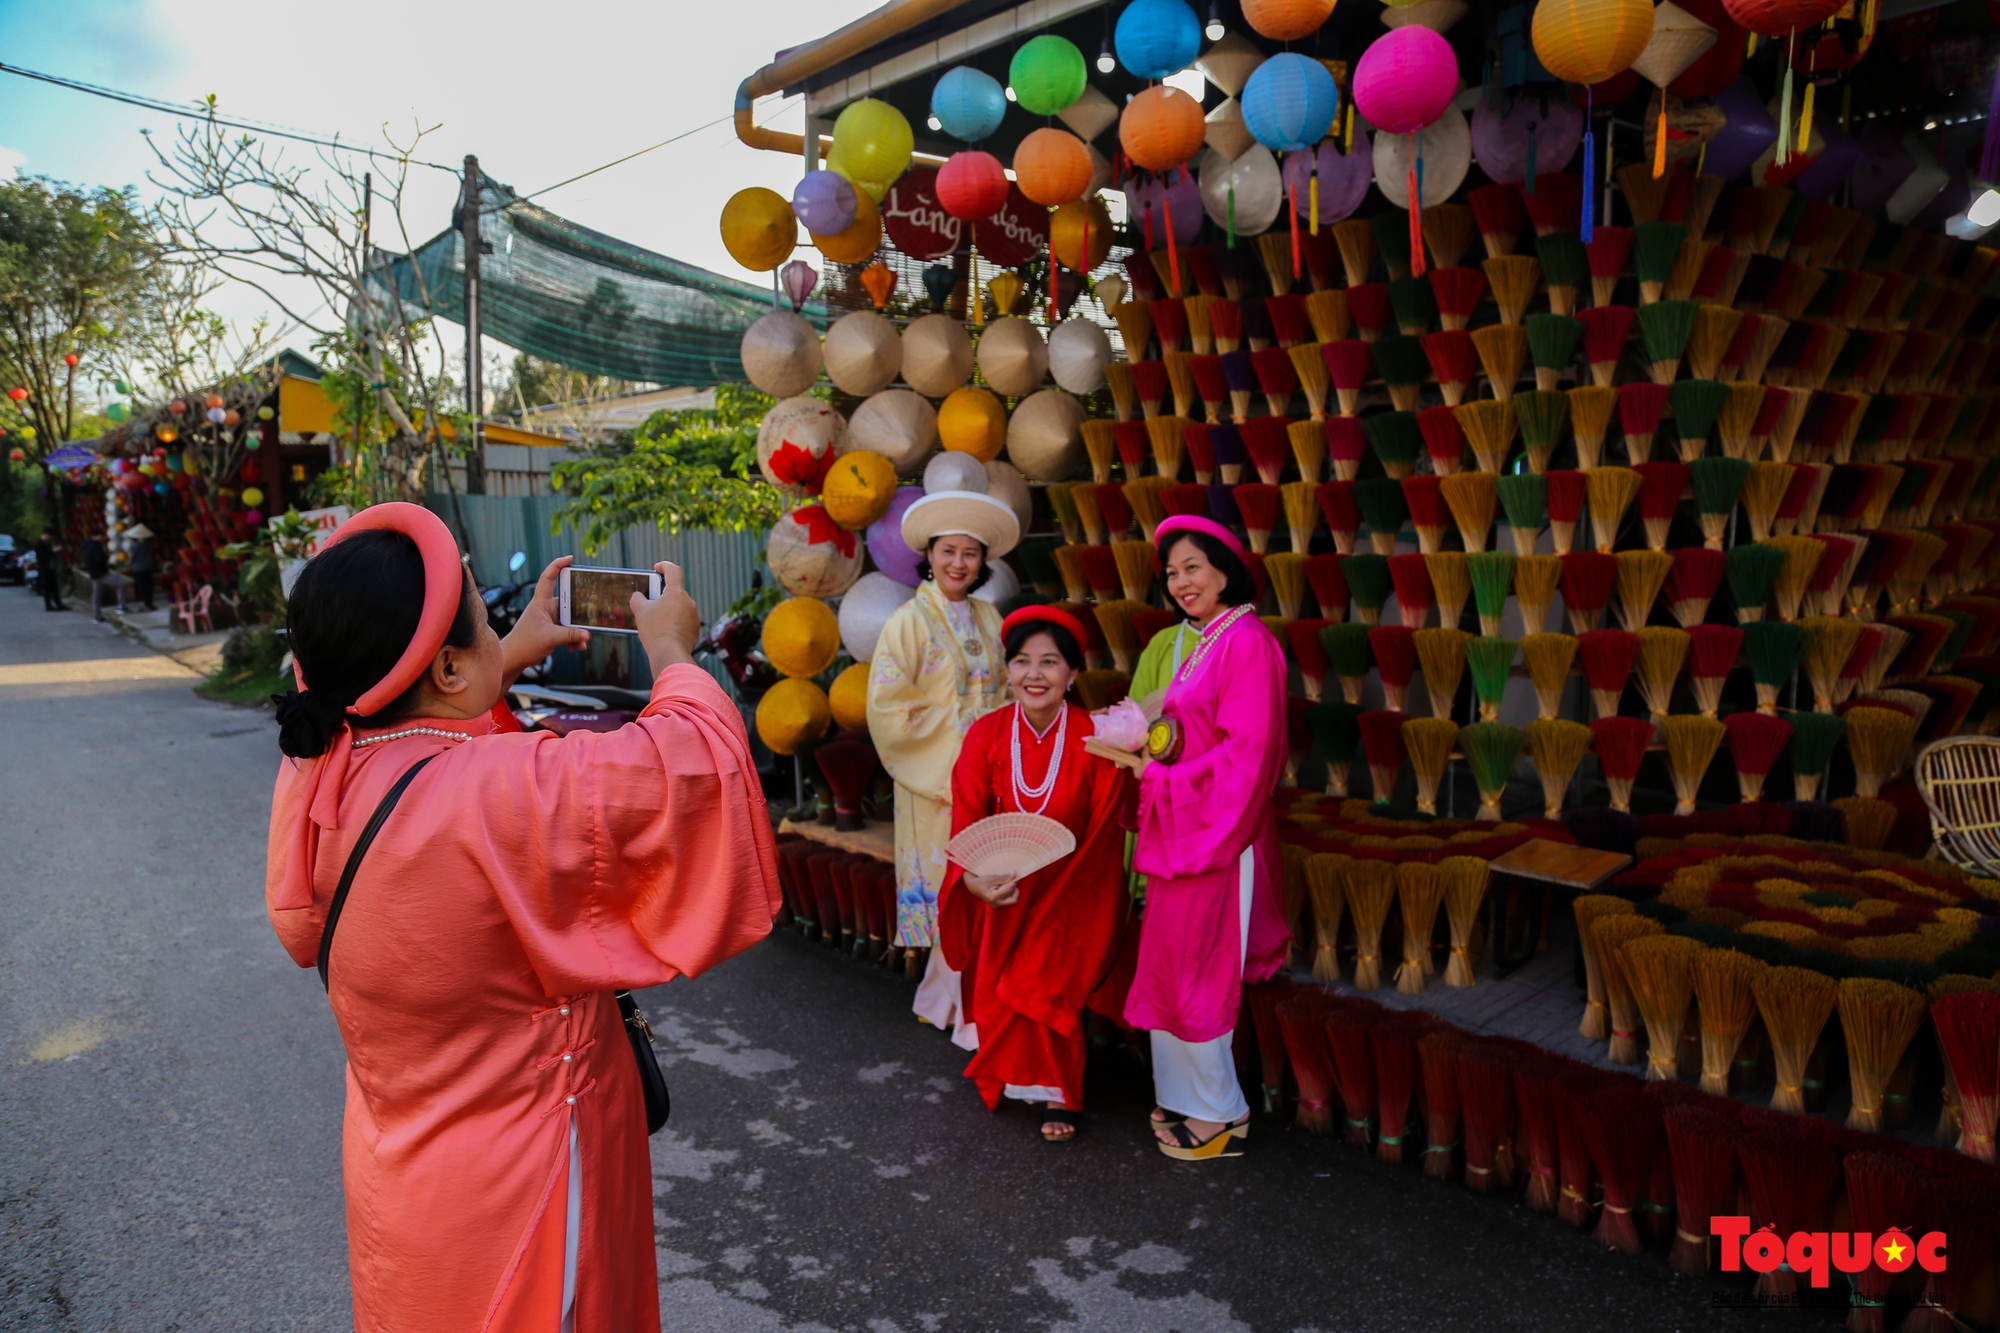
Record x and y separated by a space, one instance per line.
252 497
871 146
1005 289
858 489
849 697
791 713
801 636
1068 226
862 238
758 228
973 421
1589 41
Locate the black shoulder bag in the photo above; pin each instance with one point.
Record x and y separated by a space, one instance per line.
652 1083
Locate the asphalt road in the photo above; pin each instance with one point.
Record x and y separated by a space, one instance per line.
170 1104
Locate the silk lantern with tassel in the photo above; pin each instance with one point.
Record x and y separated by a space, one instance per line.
799 278
1786 19
1289 104
1679 39
1590 42
1403 82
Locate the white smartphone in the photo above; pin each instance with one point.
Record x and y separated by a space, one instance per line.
601 599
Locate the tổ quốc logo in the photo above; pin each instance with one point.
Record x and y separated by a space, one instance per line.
1818 1254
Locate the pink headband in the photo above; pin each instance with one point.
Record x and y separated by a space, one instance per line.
444 592
1051 615
1206 527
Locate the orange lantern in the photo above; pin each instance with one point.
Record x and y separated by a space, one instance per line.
1162 127
862 237
1071 225
1286 20
1589 41
879 280
213 400
1052 166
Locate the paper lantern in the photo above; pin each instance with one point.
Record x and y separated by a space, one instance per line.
117 412
1157 38
1781 18
810 555
1005 483
825 202
861 238
252 497
972 185
866 608
1723 62
791 713
863 353
1286 20
265 413
1446 150
1244 196
1012 357
1047 74
1005 289
801 636
1067 226
797 443
937 355
1052 166
230 416
1228 63
1289 103
781 354
1151 205
871 146
1079 349
940 281
176 406
798 279
1746 133
858 488
847 697
969 104
758 228
886 547
1344 178
1589 41
972 421
1405 80
166 434
899 425
1090 114
1045 434
215 416
1161 126
879 280
1500 143
1678 40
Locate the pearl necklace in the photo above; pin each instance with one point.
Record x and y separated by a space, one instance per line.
1209 640
411 731
1044 791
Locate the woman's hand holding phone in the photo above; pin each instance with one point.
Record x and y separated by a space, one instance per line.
669 625
539 630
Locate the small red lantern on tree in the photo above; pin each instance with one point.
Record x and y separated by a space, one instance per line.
177 407
70 359
18 395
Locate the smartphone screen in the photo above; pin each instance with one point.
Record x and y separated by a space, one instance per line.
602 598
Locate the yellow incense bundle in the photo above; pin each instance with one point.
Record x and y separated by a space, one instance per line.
1802 557
1641 575
1691 745
1143 495
1763 491
1330 318
1879 1019
1876 738
1609 491
1124 394
1325 883
1287 570
1136 561
1503 350
1441 653
1451 584
1062 499
1356 240
1169 440
1473 499
1135 327
1369 887
1590 409
1556 747
1201 329
1684 273
1734 421
1100 440
1420 889
1302 511
1180 375
1660 970
1275 249
1722 987
1099 688
1590 910
1714 327
1489 427
1549 658
1069 564
1795 1005
1663 651
1536 578
1314 379
1308 441
1613 934
1428 742
1512 279
1830 642
1448 230
1118 621
1466 879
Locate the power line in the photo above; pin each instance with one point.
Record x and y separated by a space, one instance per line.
629 156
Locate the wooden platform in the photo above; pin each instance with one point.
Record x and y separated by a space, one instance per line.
876 840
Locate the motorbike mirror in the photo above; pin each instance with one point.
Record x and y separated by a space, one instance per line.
516 561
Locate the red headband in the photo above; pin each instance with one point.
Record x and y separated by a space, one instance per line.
1206 527
444 592
1052 615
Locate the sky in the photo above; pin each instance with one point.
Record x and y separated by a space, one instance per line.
539 92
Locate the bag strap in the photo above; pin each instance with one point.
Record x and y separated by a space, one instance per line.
361 845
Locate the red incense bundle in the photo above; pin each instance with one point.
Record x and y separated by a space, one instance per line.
1620 744
1828 584
1770 411
1346 445
1343 516
1444 440
1347 363
1368 303
1189 498
1328 585
1212 384
1661 487
1116 509
1277 377
1605 329
1200 451
1423 495
1437 1058
1534 1075
1149 381
1394 648
1322 258
849 767
1498 210
1884 1191
1149 622
1587 580
1458 292
1567 489
1299 1017
1712 652
1859 658
1288 319
1571 1087
1805 477
1302 638
1555 203
1261 505
1201 262
1262 998
1454 361
1382 743
1621 1126
1100 569
1349 1035
1270 448
1691 585
1964 1205
1607 656
1225 322
1640 405
1135 446
1790 1178
1393 1043
1702 1145
1968 1029
1608 249
1755 742
1169 323
1410 574
1486 1098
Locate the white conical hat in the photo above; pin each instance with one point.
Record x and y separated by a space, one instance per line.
864 353
1258 185
1227 134
865 609
781 354
1001 587
1079 349
1446 147
1228 63
1013 357
1045 435
1089 115
1679 39
954 471
937 355
898 424
796 435
1005 482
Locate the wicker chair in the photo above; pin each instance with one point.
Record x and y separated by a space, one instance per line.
1959 778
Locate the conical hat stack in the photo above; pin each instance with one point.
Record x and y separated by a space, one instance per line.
899 425
937 355
1078 352
1013 357
781 354
864 353
1045 435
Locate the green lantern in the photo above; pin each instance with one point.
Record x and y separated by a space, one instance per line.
120 386
1047 74
117 412
265 414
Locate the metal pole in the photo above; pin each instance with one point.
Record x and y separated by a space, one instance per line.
367 317
475 396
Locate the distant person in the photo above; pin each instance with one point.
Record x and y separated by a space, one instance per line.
48 571
139 564
97 568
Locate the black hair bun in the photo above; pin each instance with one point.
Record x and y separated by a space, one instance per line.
307 722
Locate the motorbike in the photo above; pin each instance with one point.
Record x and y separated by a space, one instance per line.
501 601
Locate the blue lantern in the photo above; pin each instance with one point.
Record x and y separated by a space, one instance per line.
1290 102
968 104
1157 38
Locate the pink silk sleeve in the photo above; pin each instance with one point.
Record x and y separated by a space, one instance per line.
1198 813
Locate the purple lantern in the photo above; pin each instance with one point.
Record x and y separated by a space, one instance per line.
824 201
1500 142
892 555
1150 203
1885 164
1748 131
1837 157
1343 178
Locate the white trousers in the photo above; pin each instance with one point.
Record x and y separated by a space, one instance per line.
940 1002
1198 1079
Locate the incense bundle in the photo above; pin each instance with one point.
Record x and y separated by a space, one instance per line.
1607 655
1497 209
1423 496
1662 653
1420 889
1262 999
1348 1032
1069 564
1149 381
1752 572
1276 377
1869 822
1717 483
1795 1005
1395 652
1763 492
1620 745
1613 934
1611 491
1695 404
1401 363
1607 251
1556 748
1188 499
1415 305
1118 380
1883 1192
1524 498
1654 248
1490 749
1343 516
1723 981
1346 442
1302 639
1369 887
1180 376
1466 881
1451 584
1568 1087
1437 1060
1489 427
1348 657
1536 578
1590 909
1115 620
1275 252
1879 1020
1738 421
1367 574
1565 268
1640 406
1664 329
1814 738
1138 564
1100 568
1567 490
1968 1032
1260 504
1453 359
1829 643
1309 370
1877 739
1368 303
1396 439
1606 328
1144 497
1302 512
1442 653
1590 409
1548 657
1660 490
1456 293
1714 333
1542 415
1227 442
1239 372
1100 441
1327 312
1211 383
1114 510
1324 881
1269 446
1486 1095
1288 579
1587 580
1696 575
1802 559
1384 507
1622 1127
1393 1043
1473 501
1641 575
1100 688
1660 970
1513 280
1789 1178
1299 1017
1490 575
1356 240
1428 741
1347 365
1443 440
1503 350
1448 230
1702 1147
1168 438
1552 344
1755 742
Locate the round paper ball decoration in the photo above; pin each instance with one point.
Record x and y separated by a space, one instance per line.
972 185
858 489
801 636
1289 102
1067 228
252 497
864 353
1001 587
1052 166
797 443
954 472
1781 18
1161 127
899 425
1446 149
848 695
758 228
886 547
865 609
1286 20
1589 41
825 202
1005 483
1405 80
1013 357
791 713
937 355
972 421
1047 74
1045 435
860 240
781 354
1079 349
810 555
871 146
1718 67
1156 38
969 104
1251 188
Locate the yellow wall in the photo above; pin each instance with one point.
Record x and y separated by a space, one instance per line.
303 409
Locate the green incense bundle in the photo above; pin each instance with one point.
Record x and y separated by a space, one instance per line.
1524 498
1654 248
1392 241
1414 302
1383 509
1963 624
1752 572
1913 480
1773 649
1368 584
1490 658
1717 483
1336 733
1565 268
1552 344
1347 652
1542 413
1664 327
1396 439
1815 736
1695 404
1400 361
1492 574
1038 562
1490 749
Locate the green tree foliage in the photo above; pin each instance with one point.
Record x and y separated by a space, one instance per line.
695 468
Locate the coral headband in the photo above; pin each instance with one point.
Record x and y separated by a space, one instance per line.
1163 534
1051 615
444 593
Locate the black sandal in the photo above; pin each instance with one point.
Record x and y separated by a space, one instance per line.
1059 1115
1187 1148
1162 1118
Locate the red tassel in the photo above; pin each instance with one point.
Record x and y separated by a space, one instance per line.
1416 221
1173 256
1292 207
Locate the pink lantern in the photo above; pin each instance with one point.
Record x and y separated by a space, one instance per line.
799 278
1405 80
972 185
